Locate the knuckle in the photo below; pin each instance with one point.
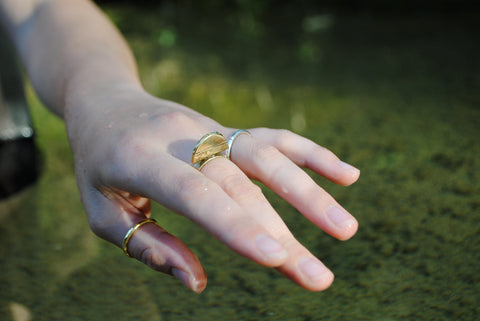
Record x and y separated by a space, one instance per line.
326 153
145 256
265 153
284 138
239 188
289 242
284 133
239 230
176 118
129 144
321 154
151 256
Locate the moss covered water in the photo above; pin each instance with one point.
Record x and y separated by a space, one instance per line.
397 96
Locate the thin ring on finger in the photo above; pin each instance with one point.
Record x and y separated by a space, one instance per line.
234 136
131 231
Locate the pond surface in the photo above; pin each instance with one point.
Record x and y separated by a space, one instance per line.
398 96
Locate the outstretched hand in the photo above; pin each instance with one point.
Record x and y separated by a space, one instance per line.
138 148
130 148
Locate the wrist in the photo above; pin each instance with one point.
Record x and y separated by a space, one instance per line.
89 107
90 84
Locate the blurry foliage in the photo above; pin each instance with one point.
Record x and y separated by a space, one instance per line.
260 7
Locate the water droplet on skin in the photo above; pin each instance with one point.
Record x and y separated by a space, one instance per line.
204 186
284 190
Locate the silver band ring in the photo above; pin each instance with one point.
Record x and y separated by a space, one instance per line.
232 139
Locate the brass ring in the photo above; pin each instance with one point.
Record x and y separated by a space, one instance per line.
204 162
232 139
131 231
210 146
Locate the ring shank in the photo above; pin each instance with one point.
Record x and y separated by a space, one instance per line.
131 231
232 139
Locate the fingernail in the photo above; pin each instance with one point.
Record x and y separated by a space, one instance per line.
270 247
313 269
347 167
196 285
341 218
182 276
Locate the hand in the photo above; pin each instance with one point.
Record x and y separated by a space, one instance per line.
137 148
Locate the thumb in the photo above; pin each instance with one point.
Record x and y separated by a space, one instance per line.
148 242
155 247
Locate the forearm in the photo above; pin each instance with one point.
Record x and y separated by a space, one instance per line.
69 48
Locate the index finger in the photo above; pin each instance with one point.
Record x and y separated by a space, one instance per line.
183 189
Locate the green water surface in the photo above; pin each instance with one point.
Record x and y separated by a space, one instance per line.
396 95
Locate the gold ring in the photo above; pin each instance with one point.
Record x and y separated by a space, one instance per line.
131 231
210 146
204 162
232 139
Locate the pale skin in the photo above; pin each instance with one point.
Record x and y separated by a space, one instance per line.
131 148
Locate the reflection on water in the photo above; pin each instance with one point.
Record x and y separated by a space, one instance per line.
398 97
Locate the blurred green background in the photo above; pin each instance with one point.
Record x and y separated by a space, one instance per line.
392 87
